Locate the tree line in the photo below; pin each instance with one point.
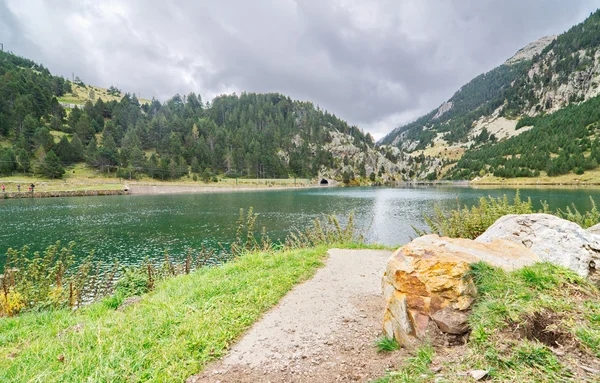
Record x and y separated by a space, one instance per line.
247 135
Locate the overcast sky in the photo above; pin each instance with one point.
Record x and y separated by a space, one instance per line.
377 64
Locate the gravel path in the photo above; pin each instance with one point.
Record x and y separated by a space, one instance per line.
323 330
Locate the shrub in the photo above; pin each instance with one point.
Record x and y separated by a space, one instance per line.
50 279
590 218
470 223
11 303
133 281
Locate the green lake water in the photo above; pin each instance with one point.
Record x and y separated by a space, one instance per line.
131 228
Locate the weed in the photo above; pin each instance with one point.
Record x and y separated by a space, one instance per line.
465 222
471 222
386 344
415 369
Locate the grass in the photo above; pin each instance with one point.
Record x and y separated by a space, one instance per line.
80 95
590 177
384 344
416 369
184 323
465 222
518 321
82 177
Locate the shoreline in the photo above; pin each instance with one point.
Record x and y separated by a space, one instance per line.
190 189
62 193
149 189
135 189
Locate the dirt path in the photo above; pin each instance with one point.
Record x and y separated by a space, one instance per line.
322 331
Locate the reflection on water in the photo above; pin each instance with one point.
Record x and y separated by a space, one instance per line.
131 228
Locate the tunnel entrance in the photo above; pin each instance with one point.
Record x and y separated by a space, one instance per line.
324 182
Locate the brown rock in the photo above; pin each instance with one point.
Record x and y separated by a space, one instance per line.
429 279
451 321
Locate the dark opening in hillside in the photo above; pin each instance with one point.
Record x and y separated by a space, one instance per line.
324 182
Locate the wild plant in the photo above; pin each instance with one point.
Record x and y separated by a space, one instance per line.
52 279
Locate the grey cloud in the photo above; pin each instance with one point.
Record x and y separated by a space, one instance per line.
376 64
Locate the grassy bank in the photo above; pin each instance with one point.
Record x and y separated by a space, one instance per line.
172 333
79 177
538 324
590 177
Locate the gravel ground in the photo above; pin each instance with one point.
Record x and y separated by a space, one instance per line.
322 331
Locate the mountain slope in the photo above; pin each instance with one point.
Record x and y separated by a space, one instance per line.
487 118
250 135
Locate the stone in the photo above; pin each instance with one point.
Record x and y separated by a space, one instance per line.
552 239
451 321
594 229
427 282
478 374
130 301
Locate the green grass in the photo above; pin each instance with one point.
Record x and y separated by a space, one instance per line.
384 344
80 95
517 319
180 326
415 369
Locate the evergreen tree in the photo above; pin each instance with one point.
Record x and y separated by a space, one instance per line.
77 149
64 151
91 152
42 137
52 167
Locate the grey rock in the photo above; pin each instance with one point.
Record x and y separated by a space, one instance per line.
478 374
131 301
594 229
552 239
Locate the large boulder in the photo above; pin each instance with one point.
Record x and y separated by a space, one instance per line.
427 285
552 239
594 229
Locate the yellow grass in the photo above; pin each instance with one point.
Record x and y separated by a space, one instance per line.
80 95
82 177
590 177
441 150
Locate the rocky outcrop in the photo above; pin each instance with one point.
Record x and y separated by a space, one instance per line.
442 109
530 50
427 286
552 239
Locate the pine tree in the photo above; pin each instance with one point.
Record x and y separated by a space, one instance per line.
91 152
77 150
64 151
52 167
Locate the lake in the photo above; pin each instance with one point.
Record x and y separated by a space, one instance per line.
132 228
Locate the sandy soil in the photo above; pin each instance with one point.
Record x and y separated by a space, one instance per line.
322 331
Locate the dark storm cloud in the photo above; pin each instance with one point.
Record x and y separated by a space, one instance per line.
374 63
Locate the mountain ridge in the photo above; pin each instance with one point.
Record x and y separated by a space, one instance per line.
247 135
545 77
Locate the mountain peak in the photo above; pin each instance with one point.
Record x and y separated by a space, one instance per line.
530 50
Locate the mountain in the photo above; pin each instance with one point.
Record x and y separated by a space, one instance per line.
532 115
247 135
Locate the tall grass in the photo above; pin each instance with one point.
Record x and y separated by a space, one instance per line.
471 222
51 279
465 222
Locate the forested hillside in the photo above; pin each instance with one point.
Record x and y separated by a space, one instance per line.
535 114
561 142
250 135
454 119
